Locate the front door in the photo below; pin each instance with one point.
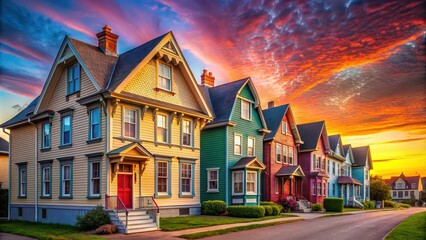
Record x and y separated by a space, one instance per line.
125 189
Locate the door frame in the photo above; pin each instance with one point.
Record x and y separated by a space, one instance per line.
131 178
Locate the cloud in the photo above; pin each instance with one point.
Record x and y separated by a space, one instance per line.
20 82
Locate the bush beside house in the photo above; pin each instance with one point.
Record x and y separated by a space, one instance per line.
93 219
246 211
333 204
316 207
268 210
213 207
368 205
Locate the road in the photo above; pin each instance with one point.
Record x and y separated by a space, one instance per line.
365 226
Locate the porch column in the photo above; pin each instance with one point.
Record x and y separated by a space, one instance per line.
347 191
291 185
353 191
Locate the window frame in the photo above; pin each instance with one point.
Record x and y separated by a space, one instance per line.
159 76
254 183
90 187
22 180
167 128
278 152
284 126
249 118
234 173
191 132
72 80
285 153
314 188
63 162
291 156
45 192
254 146
124 109
191 164
277 188
91 110
167 194
63 117
43 136
240 145
209 171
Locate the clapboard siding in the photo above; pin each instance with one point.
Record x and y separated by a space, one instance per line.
4 170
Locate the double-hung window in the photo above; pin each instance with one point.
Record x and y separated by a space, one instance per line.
323 164
237 144
46 178
162 129
278 150
73 81
95 179
284 127
66 130
285 153
186 133
314 188
45 139
314 159
186 179
95 124
250 146
251 183
212 180
237 182
290 155
334 168
277 189
163 178
319 188
165 77
130 121
317 162
65 177
324 189
22 172
245 110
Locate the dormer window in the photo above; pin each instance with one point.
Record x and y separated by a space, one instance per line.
73 80
284 127
165 77
245 110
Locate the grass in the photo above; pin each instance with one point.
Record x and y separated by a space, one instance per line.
234 229
414 227
45 231
181 223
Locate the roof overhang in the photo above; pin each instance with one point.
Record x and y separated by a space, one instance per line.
133 151
249 163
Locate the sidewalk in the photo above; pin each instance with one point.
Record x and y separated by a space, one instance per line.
8 236
176 234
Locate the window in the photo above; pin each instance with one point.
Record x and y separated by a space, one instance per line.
65 177
324 189
285 153
319 190
334 189
334 168
394 193
186 178
323 164
328 166
130 123
213 180
162 129
46 183
400 194
278 152
66 131
277 190
399 186
366 174
314 188
43 213
317 162
284 127
22 181
413 185
95 179
251 183
73 84
45 136
290 155
412 193
237 182
250 147
163 180
245 110
186 133
95 123
314 159
237 144
165 77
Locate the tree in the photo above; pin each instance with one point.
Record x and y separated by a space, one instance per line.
379 189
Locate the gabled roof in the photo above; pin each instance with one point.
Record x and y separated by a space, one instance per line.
347 180
22 115
4 146
361 155
334 140
249 162
408 181
125 151
347 149
274 117
290 170
311 134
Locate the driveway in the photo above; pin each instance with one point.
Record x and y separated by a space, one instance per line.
365 226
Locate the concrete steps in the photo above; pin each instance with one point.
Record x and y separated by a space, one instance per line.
137 221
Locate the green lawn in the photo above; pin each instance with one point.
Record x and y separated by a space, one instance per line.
45 231
181 223
414 227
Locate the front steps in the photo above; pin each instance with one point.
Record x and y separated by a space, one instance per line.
303 206
137 221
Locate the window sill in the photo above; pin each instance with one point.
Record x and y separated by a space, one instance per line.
130 139
65 197
45 149
22 197
163 196
212 191
77 93
164 91
247 119
65 146
186 196
237 194
96 140
163 144
93 197
45 197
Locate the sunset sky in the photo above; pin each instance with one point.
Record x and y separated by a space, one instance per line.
358 65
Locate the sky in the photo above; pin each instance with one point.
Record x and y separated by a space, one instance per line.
358 65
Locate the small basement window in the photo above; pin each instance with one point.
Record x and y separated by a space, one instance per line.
19 211
43 213
183 211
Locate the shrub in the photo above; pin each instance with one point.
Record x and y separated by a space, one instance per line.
389 203
106 229
265 203
316 207
213 207
288 203
246 211
369 204
268 210
276 209
333 204
93 219
403 205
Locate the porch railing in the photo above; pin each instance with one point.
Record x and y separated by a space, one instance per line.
149 203
114 203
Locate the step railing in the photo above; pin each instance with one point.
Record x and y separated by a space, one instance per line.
149 203
114 203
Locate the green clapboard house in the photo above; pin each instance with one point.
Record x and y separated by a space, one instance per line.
232 144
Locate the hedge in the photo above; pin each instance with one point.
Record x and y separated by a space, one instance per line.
265 203
93 219
276 209
389 203
333 204
369 204
268 210
316 207
246 211
213 207
403 205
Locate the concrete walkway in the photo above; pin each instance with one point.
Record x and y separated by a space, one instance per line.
8 236
175 234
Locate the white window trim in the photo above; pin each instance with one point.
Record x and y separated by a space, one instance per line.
314 188
291 155
136 122
167 127
276 152
285 154
242 183
23 193
91 178
166 193
241 144
284 126
209 170
190 179
171 76
255 183
63 180
250 110
191 132
277 191
254 146
44 194
43 142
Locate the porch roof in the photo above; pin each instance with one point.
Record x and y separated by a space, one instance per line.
249 162
290 170
130 151
347 180
319 174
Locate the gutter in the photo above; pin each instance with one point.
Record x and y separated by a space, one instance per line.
8 177
35 172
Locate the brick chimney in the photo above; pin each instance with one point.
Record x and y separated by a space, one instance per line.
207 78
107 41
271 104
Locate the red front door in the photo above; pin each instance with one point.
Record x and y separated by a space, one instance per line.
125 189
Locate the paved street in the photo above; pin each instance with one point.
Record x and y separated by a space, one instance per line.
365 226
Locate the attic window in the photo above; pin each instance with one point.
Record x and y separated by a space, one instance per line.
245 110
73 80
284 127
165 77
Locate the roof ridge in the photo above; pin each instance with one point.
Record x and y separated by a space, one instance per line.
233 82
130 50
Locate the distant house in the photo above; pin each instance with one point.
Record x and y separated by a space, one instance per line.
350 188
361 170
4 163
312 159
335 165
283 174
423 193
405 187
232 144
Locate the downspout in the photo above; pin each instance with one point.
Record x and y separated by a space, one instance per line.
35 172
226 166
9 175
107 143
